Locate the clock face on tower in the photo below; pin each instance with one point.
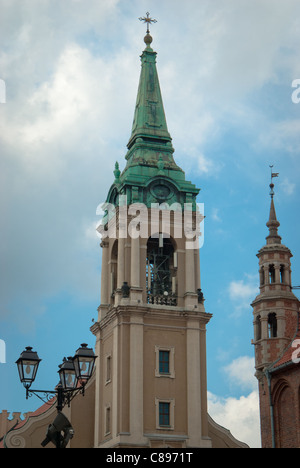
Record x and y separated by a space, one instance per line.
162 191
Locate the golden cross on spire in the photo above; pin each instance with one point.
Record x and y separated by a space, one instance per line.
148 20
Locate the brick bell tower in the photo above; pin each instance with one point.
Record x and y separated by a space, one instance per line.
276 341
151 386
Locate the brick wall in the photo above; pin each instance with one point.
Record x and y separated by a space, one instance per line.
285 389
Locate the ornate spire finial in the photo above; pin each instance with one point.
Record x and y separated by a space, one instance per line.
148 20
273 224
117 172
273 174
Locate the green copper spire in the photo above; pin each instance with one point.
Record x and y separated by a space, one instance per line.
150 139
151 174
149 118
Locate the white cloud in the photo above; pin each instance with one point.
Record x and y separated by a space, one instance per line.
58 149
240 290
287 186
71 74
242 293
215 215
239 415
241 372
283 135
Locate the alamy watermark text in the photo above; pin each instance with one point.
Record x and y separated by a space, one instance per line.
296 353
137 220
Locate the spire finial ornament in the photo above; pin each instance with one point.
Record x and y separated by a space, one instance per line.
273 224
117 172
148 20
273 174
148 39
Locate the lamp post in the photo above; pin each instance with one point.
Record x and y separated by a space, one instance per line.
74 373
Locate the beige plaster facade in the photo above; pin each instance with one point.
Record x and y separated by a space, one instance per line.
31 433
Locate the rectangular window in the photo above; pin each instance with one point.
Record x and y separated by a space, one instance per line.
164 414
164 362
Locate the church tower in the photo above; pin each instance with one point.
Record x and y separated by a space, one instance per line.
276 338
151 388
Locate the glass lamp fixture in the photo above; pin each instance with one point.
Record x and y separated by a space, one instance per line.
67 374
74 373
28 364
84 361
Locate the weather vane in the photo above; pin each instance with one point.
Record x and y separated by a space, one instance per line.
273 174
148 20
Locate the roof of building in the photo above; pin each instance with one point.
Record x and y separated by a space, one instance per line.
290 356
42 409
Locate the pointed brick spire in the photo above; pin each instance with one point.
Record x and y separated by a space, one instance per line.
273 224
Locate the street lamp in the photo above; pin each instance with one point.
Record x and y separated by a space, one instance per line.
28 364
67 374
84 361
74 374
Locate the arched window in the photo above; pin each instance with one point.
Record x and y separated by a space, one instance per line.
160 271
258 328
286 416
272 325
262 276
113 269
281 273
271 274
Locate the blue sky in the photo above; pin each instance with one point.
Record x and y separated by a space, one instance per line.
71 71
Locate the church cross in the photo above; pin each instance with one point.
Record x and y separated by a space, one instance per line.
148 20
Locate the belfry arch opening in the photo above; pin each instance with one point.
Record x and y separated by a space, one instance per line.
161 269
271 273
258 328
272 325
262 276
113 270
282 274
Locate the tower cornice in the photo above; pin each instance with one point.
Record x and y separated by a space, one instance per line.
270 248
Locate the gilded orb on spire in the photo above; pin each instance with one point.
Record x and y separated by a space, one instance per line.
146 19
